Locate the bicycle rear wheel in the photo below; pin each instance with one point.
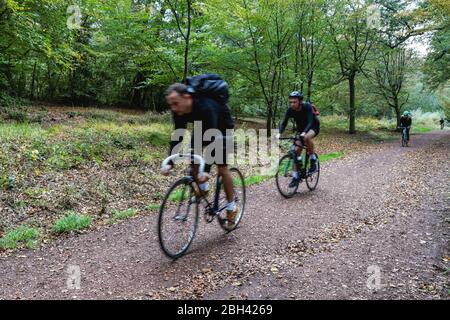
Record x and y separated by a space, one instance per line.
178 218
284 177
239 198
312 179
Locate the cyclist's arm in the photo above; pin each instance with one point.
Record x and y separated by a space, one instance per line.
285 121
179 123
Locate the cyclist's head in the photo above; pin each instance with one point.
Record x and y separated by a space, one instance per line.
178 98
295 99
407 114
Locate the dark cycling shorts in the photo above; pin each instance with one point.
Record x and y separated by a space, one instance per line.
316 130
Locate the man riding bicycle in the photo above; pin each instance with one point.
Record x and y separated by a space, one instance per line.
307 126
405 122
187 106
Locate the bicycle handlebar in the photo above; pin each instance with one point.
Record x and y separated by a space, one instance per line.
293 138
179 156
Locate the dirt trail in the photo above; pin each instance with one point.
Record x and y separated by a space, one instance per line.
386 210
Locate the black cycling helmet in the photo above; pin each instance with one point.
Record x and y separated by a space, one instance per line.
296 94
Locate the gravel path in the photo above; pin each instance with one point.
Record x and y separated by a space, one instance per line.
377 227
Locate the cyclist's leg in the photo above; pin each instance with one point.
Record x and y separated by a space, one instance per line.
227 181
309 141
202 184
295 164
219 157
310 148
407 133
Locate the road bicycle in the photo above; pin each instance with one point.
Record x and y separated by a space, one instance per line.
179 212
284 175
405 141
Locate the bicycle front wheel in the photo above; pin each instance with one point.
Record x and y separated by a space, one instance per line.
284 177
178 218
312 179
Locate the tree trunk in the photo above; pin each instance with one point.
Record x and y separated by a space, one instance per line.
33 79
269 118
187 40
352 111
309 90
397 111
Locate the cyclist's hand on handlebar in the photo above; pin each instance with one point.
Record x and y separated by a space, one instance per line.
277 136
303 134
166 170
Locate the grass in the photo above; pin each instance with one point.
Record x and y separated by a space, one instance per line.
20 132
153 207
72 221
122 215
422 122
257 179
35 193
19 236
254 179
330 156
420 130
178 195
105 135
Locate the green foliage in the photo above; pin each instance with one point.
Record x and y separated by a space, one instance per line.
126 53
122 215
153 207
22 235
17 115
330 156
72 221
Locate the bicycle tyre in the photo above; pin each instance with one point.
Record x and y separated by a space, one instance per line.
169 198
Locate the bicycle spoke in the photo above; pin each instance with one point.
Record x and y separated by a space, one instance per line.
178 219
284 177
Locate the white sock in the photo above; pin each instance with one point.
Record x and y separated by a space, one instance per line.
295 174
231 206
204 186
313 157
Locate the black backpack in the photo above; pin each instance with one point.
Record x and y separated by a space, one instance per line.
209 85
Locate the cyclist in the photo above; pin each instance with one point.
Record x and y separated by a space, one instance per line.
405 122
442 123
187 107
307 126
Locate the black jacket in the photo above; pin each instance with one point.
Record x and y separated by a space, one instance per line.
210 112
405 121
304 119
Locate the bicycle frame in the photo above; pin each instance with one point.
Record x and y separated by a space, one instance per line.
293 153
212 208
